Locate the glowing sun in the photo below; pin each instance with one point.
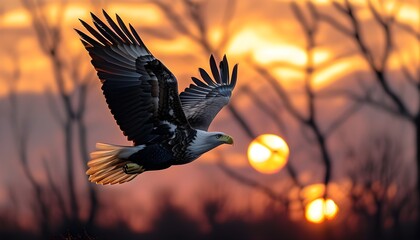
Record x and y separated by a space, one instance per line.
268 153
320 210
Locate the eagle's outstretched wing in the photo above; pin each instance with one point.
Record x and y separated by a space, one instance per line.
141 92
201 101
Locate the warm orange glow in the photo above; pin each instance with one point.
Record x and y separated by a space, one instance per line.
216 35
179 45
268 153
409 14
144 14
288 74
253 38
280 53
336 70
322 2
265 49
354 2
320 210
336 190
72 13
313 191
16 18
321 55
246 40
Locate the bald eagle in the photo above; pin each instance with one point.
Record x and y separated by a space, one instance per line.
142 94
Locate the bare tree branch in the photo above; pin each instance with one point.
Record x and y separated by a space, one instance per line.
256 99
343 117
20 130
408 29
374 169
73 100
281 92
56 191
335 24
237 116
251 183
310 120
413 80
367 99
379 72
54 109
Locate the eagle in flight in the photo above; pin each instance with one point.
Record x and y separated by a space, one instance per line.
166 128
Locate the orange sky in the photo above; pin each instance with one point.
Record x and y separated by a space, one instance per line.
261 37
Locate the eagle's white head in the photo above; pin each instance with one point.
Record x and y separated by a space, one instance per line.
206 141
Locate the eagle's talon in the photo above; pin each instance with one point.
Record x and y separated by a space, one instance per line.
133 168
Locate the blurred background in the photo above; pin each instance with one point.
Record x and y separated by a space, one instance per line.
338 81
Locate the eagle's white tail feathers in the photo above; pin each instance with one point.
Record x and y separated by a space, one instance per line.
106 164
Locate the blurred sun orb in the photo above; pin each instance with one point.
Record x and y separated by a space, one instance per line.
320 210
268 153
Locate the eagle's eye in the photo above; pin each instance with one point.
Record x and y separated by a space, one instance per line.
218 136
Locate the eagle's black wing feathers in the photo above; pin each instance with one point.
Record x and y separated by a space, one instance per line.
201 101
141 92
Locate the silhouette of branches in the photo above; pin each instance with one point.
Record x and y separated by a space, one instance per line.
378 65
266 108
20 126
192 22
68 104
375 171
310 119
252 183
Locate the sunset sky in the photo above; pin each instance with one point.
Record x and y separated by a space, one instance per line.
261 32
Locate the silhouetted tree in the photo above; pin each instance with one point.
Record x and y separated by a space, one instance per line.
310 118
378 192
71 105
396 103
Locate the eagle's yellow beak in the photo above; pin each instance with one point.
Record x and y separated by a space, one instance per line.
227 139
